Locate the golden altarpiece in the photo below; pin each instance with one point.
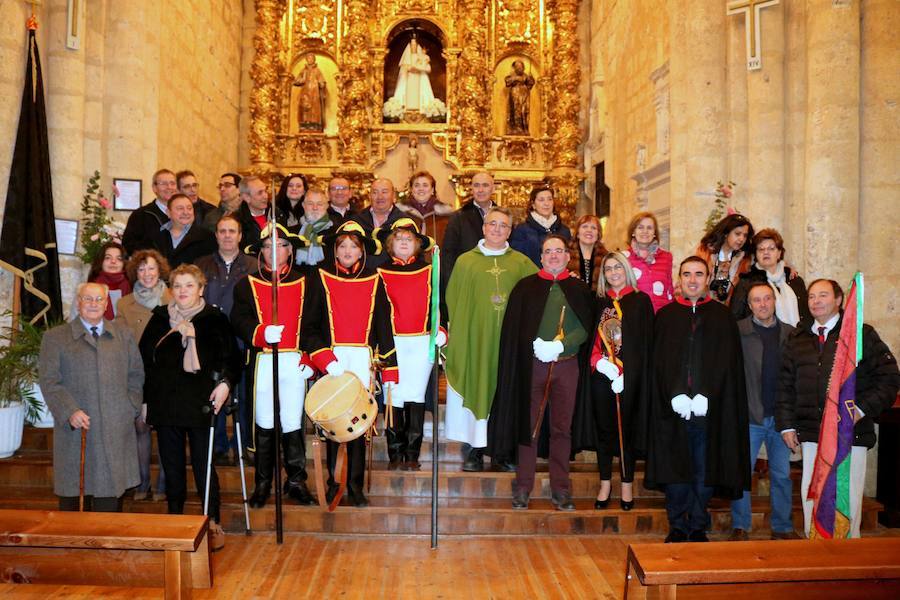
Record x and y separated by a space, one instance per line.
368 112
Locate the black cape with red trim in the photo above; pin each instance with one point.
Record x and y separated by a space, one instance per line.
509 423
697 350
637 344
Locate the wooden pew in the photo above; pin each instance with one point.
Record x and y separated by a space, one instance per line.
866 568
116 549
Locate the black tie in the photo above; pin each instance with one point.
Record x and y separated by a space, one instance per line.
94 332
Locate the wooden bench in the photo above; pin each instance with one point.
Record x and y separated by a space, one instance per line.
116 549
866 568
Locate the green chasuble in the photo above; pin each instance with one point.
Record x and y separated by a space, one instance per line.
477 293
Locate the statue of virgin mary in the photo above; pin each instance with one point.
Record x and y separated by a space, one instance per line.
413 89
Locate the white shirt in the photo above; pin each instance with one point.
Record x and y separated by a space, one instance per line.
162 206
828 325
88 326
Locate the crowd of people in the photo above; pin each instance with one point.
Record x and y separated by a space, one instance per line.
553 344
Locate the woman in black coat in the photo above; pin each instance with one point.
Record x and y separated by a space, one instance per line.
527 237
191 363
620 361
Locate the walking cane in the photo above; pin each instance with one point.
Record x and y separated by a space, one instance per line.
276 402
81 477
540 418
234 408
617 362
209 454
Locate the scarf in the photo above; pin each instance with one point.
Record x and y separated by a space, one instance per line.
119 287
786 308
180 321
149 297
310 230
544 222
651 252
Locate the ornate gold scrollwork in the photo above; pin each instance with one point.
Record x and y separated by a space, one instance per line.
472 99
265 100
566 78
353 83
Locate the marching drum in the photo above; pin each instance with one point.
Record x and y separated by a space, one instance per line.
341 407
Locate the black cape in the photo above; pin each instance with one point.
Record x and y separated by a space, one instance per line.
637 344
509 423
700 345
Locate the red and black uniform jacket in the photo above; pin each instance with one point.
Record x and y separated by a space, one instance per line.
408 287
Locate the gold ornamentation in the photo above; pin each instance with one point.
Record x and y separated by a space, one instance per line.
314 19
472 99
566 75
353 82
517 22
265 100
567 183
517 150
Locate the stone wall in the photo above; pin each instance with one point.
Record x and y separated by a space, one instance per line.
153 84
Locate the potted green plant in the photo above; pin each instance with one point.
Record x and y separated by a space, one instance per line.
19 349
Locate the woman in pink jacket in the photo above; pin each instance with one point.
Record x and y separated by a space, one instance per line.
651 264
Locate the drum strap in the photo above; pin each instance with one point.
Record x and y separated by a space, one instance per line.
340 470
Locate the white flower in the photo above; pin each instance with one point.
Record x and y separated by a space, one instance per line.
393 108
435 108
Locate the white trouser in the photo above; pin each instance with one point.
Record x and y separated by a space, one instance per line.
857 482
291 391
356 359
414 367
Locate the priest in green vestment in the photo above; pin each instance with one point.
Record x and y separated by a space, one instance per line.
477 293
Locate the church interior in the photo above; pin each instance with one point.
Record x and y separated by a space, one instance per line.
621 106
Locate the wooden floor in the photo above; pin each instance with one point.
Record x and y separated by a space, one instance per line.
316 566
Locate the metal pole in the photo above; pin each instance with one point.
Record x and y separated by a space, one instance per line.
276 402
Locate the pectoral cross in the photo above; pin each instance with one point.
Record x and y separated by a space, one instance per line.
751 10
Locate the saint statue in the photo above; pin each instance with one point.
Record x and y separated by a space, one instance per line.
413 89
519 84
311 107
413 155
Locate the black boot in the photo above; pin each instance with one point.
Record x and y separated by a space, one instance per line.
414 415
475 460
294 448
331 451
356 471
265 466
396 437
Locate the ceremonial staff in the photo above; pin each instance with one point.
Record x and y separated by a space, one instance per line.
276 403
540 418
616 361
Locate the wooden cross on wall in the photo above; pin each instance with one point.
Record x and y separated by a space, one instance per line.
751 10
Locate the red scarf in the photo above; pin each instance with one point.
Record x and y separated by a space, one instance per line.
544 274
114 281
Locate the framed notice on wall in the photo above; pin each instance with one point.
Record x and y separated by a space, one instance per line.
66 236
128 194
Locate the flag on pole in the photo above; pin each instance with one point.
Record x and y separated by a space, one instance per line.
28 238
829 488
435 303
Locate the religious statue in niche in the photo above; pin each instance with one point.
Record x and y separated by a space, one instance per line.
413 94
519 83
311 105
413 155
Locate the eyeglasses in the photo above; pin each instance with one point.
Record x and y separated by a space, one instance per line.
92 299
552 251
191 186
339 188
225 185
615 267
499 224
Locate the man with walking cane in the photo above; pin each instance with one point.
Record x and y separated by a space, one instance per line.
254 320
91 375
543 345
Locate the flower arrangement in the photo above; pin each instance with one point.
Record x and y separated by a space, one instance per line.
393 109
434 109
724 191
98 227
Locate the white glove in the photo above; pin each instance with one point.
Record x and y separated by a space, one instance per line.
681 404
272 333
618 384
334 368
699 405
305 372
607 368
441 339
546 351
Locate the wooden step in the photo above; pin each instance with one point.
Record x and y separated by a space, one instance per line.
457 516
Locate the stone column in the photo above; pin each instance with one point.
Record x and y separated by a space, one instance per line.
355 91
699 126
765 126
832 139
879 176
264 97
473 96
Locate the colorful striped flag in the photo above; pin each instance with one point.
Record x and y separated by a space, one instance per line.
829 488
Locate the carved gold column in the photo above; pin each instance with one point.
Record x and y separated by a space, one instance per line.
564 106
473 99
265 97
353 83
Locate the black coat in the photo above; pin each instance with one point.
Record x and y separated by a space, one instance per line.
740 308
463 232
142 229
637 344
250 229
528 236
197 242
509 423
804 382
174 397
700 345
